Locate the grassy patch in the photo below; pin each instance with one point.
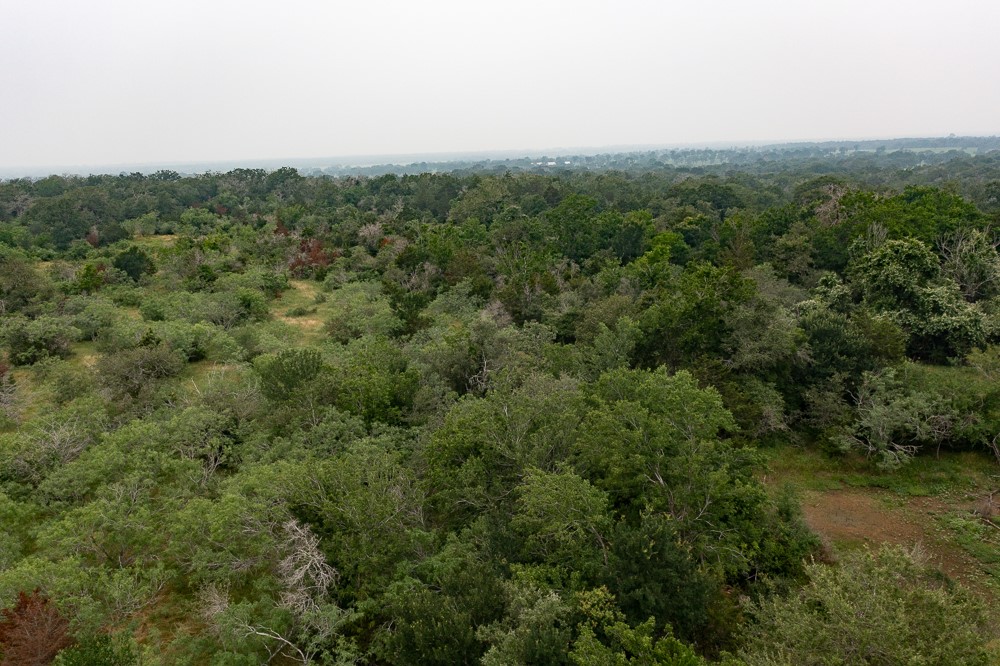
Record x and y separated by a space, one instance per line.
979 539
299 316
957 473
32 399
85 353
156 241
300 311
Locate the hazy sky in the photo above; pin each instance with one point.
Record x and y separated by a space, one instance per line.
138 81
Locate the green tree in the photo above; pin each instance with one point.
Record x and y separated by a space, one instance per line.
892 275
562 518
360 308
625 644
536 628
20 283
373 379
576 226
901 279
368 508
687 317
486 445
434 611
135 263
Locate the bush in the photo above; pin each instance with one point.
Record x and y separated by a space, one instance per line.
66 380
192 340
20 283
268 283
156 308
300 311
882 607
92 315
247 341
895 419
226 308
224 347
125 334
129 372
10 408
126 296
98 650
31 340
284 373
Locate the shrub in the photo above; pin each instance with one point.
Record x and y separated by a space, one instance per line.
66 380
300 311
96 650
127 333
31 340
883 607
229 308
129 372
268 283
91 315
359 309
9 407
282 374
155 308
192 340
20 283
125 295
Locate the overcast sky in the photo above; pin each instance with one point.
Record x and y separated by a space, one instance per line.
144 81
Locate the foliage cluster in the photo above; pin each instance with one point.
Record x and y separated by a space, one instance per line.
258 417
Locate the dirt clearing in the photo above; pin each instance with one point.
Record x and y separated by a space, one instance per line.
852 518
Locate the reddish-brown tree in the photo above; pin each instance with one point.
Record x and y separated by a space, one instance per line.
32 632
311 256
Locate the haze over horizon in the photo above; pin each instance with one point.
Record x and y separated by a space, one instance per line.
114 82
404 159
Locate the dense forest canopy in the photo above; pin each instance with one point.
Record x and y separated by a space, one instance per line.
498 416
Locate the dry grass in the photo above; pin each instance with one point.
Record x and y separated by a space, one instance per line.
155 242
306 328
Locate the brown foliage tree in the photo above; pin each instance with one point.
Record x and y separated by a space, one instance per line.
310 257
32 632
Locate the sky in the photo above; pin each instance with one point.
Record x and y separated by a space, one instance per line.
147 81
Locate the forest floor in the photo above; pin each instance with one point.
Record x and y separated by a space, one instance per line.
945 507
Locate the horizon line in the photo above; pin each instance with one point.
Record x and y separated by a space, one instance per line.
368 160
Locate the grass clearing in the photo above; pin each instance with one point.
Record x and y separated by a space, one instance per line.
299 310
85 354
156 241
951 472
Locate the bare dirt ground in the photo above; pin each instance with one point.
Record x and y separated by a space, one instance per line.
850 518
